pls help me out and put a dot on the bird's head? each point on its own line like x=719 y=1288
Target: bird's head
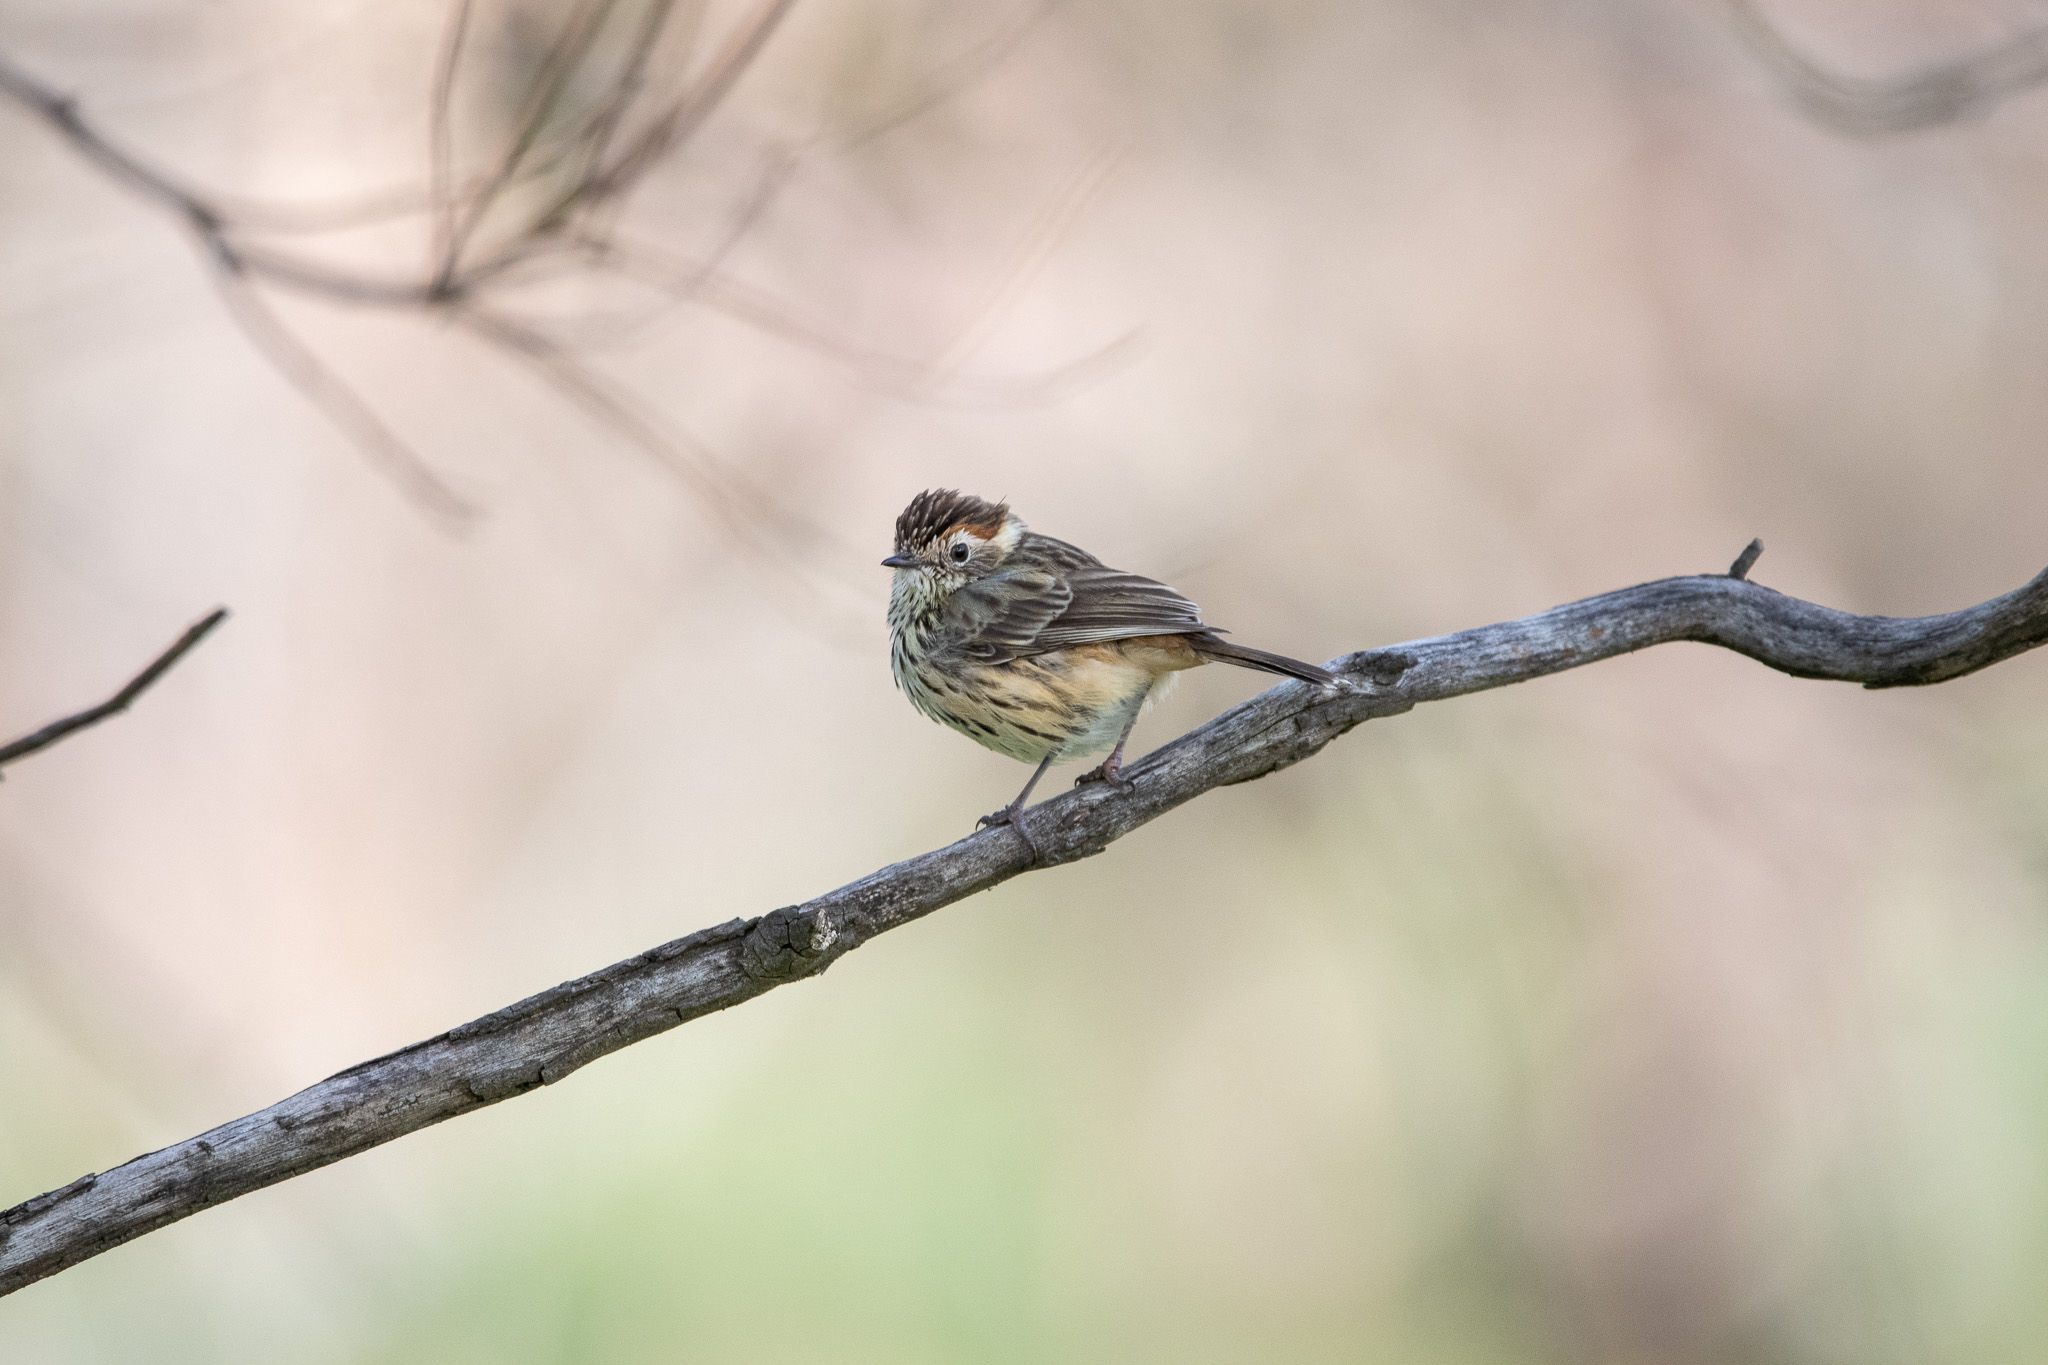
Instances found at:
x=946 y=539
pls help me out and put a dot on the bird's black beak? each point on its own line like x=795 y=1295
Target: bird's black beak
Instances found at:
x=900 y=562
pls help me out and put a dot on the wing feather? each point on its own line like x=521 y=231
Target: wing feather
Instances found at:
x=1050 y=595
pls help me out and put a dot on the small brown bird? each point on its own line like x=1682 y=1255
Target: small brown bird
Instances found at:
x=1034 y=647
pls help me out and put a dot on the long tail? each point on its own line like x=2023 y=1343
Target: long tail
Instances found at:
x=1244 y=656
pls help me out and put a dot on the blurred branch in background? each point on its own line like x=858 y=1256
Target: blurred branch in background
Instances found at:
x=1944 y=92
x=120 y=701
x=542 y=1039
x=604 y=106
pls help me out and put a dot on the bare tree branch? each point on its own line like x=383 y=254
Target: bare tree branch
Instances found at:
x=590 y=128
x=543 y=1039
x=703 y=282
x=953 y=76
x=1941 y=93
x=1746 y=561
x=234 y=263
x=564 y=58
x=451 y=285
x=744 y=510
x=348 y=410
x=683 y=117
x=121 y=700
x=441 y=250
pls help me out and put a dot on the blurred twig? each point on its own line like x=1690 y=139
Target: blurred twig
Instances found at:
x=234 y=263
x=542 y=1039
x=593 y=124
x=120 y=701
x=1940 y=93
x=705 y=283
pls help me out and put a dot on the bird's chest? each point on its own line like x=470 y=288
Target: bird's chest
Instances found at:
x=912 y=627
x=910 y=633
x=1067 y=703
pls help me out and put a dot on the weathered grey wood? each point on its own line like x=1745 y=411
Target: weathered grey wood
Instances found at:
x=540 y=1040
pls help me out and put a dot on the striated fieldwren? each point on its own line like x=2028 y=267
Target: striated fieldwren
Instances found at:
x=1034 y=647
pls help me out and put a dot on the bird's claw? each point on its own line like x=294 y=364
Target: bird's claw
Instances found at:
x=1014 y=818
x=1105 y=773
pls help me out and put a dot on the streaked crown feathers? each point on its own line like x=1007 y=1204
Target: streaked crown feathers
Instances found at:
x=937 y=513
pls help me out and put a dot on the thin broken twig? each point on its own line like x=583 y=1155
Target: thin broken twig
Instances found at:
x=113 y=706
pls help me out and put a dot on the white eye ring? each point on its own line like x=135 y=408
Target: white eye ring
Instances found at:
x=960 y=552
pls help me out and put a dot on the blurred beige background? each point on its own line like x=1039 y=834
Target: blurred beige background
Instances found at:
x=1667 y=1011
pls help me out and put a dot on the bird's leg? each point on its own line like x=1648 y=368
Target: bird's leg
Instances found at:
x=1013 y=814
x=1111 y=769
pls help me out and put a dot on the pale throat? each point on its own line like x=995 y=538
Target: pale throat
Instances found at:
x=914 y=601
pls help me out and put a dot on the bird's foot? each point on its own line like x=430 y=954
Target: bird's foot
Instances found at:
x=1013 y=816
x=1110 y=770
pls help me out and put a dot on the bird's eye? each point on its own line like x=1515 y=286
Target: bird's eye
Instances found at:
x=960 y=552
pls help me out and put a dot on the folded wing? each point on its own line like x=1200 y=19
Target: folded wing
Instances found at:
x=1053 y=595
